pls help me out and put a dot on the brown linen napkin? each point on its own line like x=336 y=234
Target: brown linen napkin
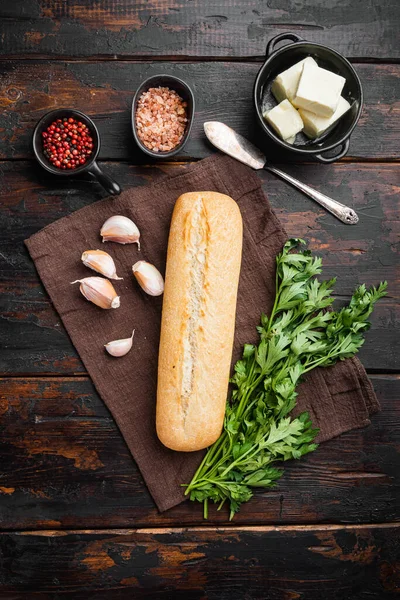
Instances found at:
x=338 y=398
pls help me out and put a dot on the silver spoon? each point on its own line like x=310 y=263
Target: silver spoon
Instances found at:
x=226 y=139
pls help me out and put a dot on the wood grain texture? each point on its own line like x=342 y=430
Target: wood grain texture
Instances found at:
x=65 y=465
x=33 y=338
x=266 y=563
x=63 y=462
x=200 y=28
x=223 y=92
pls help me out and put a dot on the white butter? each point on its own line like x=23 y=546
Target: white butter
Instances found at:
x=291 y=140
x=314 y=125
x=318 y=90
x=285 y=120
x=285 y=84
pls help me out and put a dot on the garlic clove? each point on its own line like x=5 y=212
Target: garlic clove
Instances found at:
x=101 y=262
x=149 y=278
x=99 y=291
x=119 y=347
x=120 y=229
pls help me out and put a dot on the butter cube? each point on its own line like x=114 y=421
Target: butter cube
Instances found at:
x=318 y=90
x=291 y=140
x=285 y=120
x=314 y=125
x=285 y=84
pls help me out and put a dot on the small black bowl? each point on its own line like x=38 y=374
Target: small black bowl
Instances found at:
x=179 y=86
x=336 y=139
x=90 y=166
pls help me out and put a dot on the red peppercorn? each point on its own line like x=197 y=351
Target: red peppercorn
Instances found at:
x=67 y=143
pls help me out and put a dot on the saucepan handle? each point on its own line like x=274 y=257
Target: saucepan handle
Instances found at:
x=111 y=186
x=342 y=151
x=271 y=46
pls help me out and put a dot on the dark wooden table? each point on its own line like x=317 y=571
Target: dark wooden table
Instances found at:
x=76 y=519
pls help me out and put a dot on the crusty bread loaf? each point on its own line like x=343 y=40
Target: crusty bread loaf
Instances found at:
x=198 y=319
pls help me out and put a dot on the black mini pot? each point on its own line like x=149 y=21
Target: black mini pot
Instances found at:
x=90 y=166
x=336 y=141
x=185 y=92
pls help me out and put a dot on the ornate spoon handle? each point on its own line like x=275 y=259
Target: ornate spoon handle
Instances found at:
x=344 y=213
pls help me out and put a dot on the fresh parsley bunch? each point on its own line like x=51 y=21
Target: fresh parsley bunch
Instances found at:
x=299 y=335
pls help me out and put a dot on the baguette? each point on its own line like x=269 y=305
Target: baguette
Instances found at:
x=198 y=319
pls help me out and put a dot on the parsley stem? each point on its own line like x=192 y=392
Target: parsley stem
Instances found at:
x=276 y=301
x=246 y=395
x=232 y=439
x=203 y=463
x=220 y=505
x=205 y=508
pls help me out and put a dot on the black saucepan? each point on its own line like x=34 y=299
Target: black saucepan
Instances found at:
x=90 y=166
x=335 y=143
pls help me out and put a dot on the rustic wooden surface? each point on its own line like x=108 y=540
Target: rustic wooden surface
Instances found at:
x=194 y=28
x=223 y=92
x=281 y=563
x=76 y=520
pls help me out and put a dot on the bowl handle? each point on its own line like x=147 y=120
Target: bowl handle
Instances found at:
x=279 y=38
x=343 y=149
x=111 y=186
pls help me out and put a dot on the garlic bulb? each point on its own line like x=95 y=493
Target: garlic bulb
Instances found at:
x=99 y=291
x=121 y=230
x=119 y=347
x=149 y=278
x=101 y=262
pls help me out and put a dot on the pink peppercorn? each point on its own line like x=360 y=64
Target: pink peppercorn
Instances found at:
x=67 y=143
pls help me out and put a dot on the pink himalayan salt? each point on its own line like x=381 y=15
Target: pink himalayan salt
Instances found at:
x=161 y=119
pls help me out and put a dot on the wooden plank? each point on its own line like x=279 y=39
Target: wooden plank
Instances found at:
x=268 y=563
x=65 y=465
x=33 y=338
x=223 y=92
x=197 y=28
